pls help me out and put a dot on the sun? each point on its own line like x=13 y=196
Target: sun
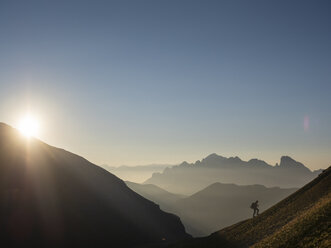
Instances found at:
x=29 y=126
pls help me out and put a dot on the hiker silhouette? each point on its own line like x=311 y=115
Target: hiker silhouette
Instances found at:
x=255 y=207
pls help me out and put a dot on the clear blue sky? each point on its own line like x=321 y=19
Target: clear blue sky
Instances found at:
x=138 y=82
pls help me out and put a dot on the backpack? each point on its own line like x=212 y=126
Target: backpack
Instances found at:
x=253 y=205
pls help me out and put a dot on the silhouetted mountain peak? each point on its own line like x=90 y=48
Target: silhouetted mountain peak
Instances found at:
x=235 y=159
x=287 y=161
x=184 y=164
x=212 y=158
x=258 y=162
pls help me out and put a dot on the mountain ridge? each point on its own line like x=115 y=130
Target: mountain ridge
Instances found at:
x=52 y=197
x=139 y=173
x=214 y=168
x=285 y=161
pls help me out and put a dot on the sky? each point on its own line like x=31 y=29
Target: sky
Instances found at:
x=141 y=82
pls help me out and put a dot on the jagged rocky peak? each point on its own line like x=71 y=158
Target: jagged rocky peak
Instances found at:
x=235 y=159
x=288 y=162
x=258 y=162
x=184 y=164
x=213 y=157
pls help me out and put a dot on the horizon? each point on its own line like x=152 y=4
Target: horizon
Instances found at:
x=139 y=83
x=166 y=165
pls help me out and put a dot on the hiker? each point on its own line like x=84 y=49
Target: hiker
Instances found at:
x=255 y=207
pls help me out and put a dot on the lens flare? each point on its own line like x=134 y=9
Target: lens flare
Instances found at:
x=29 y=126
x=306 y=122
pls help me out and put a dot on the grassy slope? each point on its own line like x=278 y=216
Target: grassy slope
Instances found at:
x=300 y=220
x=312 y=228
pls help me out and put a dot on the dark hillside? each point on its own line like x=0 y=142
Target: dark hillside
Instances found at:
x=53 y=198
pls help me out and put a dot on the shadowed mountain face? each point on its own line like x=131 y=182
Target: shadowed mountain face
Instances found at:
x=189 y=178
x=219 y=205
x=301 y=220
x=53 y=198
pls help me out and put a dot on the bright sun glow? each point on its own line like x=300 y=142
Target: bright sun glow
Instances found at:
x=29 y=126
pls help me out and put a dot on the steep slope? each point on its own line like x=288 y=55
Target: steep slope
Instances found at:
x=52 y=198
x=155 y=194
x=189 y=178
x=301 y=220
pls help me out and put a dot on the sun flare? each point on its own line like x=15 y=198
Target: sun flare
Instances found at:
x=29 y=126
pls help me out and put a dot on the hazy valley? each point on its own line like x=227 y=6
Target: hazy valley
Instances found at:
x=219 y=205
x=300 y=220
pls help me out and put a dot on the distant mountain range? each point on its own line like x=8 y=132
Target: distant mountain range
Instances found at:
x=52 y=198
x=139 y=173
x=219 y=205
x=189 y=178
x=301 y=220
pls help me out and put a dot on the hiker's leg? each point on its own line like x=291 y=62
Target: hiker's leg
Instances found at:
x=257 y=211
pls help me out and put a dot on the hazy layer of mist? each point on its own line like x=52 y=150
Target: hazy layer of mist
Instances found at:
x=137 y=174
